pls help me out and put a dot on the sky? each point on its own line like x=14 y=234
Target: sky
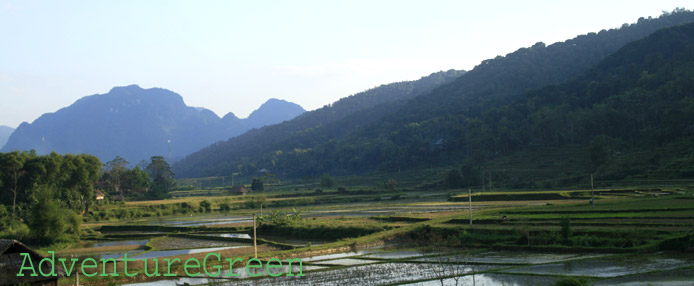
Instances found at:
x=231 y=56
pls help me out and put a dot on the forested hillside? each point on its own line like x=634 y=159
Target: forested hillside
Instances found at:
x=308 y=130
x=634 y=100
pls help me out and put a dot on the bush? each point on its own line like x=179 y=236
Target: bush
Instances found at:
x=48 y=222
x=326 y=181
x=15 y=229
x=225 y=207
x=205 y=206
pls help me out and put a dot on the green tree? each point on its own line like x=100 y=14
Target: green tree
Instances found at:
x=453 y=179
x=47 y=221
x=326 y=181
x=162 y=177
x=115 y=169
x=136 y=180
x=205 y=206
x=257 y=185
x=470 y=175
x=12 y=164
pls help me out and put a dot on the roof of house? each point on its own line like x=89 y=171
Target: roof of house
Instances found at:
x=238 y=189
x=11 y=262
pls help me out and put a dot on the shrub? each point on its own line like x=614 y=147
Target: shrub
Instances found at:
x=205 y=206
x=326 y=181
x=224 y=207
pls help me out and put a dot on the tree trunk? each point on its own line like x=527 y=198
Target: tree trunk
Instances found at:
x=14 y=199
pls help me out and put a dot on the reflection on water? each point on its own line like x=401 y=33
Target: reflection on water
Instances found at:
x=677 y=277
x=375 y=267
x=610 y=266
x=492 y=280
x=374 y=274
x=334 y=256
x=223 y=279
x=202 y=221
x=347 y=261
x=395 y=254
x=231 y=235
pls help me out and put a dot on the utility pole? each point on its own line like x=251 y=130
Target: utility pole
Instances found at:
x=77 y=275
x=255 y=242
x=469 y=199
x=483 y=181
x=592 y=192
x=490 y=181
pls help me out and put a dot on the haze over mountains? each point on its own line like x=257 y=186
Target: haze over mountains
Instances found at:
x=137 y=123
x=504 y=106
x=5 y=132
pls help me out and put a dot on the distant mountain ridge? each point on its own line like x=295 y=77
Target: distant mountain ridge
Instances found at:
x=5 y=132
x=137 y=123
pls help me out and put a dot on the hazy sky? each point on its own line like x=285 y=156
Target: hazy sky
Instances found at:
x=231 y=56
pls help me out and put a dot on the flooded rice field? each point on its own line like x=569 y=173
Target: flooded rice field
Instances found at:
x=612 y=266
x=409 y=267
x=230 y=235
x=513 y=258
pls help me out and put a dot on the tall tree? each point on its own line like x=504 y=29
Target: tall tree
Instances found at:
x=161 y=175
x=12 y=164
x=116 y=168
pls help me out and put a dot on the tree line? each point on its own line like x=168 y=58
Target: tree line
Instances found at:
x=43 y=197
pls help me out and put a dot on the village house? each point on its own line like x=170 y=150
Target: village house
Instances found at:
x=237 y=190
x=11 y=262
x=99 y=195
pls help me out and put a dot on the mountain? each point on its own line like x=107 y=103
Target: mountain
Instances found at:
x=137 y=123
x=309 y=129
x=478 y=117
x=5 y=132
x=273 y=111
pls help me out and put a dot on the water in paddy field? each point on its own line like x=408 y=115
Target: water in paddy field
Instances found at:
x=231 y=235
x=612 y=266
x=408 y=267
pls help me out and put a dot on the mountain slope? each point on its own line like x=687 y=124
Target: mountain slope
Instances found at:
x=309 y=129
x=439 y=127
x=630 y=116
x=135 y=123
x=5 y=132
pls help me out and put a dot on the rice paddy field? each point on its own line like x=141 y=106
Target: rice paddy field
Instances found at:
x=629 y=236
